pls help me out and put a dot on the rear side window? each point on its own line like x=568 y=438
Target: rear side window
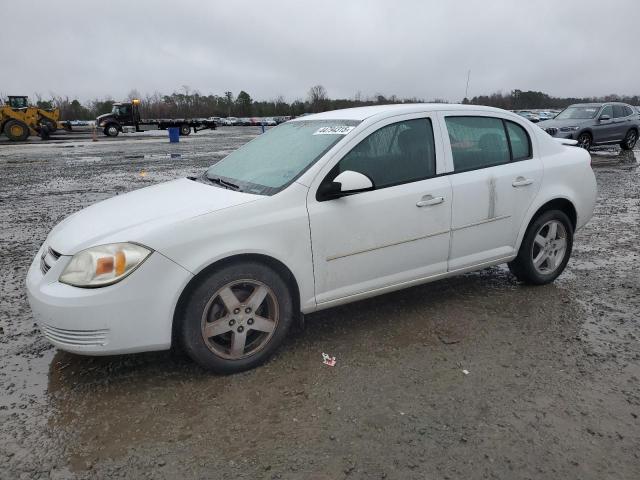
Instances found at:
x=477 y=142
x=399 y=153
x=519 y=141
x=628 y=111
x=618 y=111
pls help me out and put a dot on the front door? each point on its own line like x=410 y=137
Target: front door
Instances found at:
x=397 y=232
x=604 y=130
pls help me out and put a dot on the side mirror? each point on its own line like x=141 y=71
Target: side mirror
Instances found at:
x=346 y=183
x=604 y=117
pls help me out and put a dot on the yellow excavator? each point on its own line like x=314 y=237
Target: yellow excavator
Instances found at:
x=19 y=120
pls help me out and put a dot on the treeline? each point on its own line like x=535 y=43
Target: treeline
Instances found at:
x=519 y=100
x=189 y=103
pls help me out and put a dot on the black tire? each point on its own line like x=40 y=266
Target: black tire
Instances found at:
x=185 y=130
x=16 y=130
x=204 y=299
x=523 y=266
x=51 y=126
x=111 y=130
x=630 y=140
x=44 y=132
x=585 y=140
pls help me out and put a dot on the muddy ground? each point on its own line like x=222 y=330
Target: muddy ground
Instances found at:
x=553 y=389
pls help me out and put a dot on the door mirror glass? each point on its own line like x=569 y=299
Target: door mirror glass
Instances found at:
x=604 y=117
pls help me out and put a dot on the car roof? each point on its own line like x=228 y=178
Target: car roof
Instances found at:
x=362 y=113
x=596 y=104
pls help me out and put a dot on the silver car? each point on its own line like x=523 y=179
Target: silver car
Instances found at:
x=596 y=124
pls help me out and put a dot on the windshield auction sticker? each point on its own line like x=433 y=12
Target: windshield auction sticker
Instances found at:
x=337 y=130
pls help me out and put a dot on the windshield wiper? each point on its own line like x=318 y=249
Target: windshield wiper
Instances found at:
x=223 y=183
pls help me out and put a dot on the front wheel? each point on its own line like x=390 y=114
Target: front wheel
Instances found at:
x=185 y=130
x=111 y=130
x=630 y=140
x=545 y=249
x=236 y=318
x=585 y=141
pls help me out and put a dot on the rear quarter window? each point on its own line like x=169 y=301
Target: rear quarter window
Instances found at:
x=519 y=141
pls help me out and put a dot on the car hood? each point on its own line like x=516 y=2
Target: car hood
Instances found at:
x=562 y=123
x=130 y=216
x=102 y=117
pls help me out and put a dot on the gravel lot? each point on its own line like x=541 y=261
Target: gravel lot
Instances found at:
x=553 y=390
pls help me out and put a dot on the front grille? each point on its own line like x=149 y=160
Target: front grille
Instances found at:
x=76 y=338
x=47 y=259
x=552 y=131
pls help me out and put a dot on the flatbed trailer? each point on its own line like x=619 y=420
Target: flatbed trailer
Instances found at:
x=127 y=114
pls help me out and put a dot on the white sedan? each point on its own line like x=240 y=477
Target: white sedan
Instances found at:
x=317 y=212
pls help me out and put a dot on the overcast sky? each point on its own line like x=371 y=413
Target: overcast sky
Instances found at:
x=90 y=49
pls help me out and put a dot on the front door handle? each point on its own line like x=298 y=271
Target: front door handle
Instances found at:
x=429 y=200
x=522 y=182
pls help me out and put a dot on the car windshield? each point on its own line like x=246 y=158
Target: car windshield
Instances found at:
x=276 y=158
x=579 y=113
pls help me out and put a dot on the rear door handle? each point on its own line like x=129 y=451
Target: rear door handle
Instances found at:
x=522 y=182
x=429 y=200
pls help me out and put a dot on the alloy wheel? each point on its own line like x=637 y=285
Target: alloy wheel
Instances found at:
x=584 y=141
x=549 y=247
x=632 y=137
x=240 y=319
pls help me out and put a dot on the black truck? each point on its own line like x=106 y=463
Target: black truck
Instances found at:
x=127 y=114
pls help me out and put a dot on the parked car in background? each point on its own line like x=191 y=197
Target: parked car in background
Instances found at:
x=216 y=120
x=546 y=115
x=529 y=115
x=596 y=124
x=244 y=121
x=269 y=122
x=209 y=261
x=282 y=119
x=229 y=121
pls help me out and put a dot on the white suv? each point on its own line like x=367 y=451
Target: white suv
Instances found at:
x=319 y=211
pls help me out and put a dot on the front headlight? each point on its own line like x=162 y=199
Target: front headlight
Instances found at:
x=569 y=129
x=103 y=265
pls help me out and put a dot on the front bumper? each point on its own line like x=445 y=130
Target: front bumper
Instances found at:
x=558 y=133
x=133 y=315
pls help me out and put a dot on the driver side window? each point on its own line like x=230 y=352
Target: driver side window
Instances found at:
x=399 y=153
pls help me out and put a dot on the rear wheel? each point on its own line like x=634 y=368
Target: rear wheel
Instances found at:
x=185 y=130
x=111 y=130
x=16 y=130
x=630 y=140
x=236 y=318
x=585 y=141
x=545 y=249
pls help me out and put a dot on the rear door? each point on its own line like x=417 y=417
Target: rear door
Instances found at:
x=622 y=119
x=496 y=175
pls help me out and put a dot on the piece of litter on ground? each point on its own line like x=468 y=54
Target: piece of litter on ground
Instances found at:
x=448 y=340
x=466 y=372
x=328 y=360
x=143 y=173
